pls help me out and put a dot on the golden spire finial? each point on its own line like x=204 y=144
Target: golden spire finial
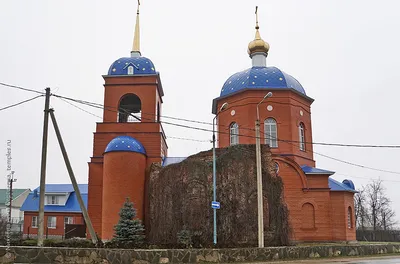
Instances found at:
x=136 y=38
x=257 y=27
x=258 y=45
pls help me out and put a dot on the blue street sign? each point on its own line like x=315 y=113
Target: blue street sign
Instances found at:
x=215 y=205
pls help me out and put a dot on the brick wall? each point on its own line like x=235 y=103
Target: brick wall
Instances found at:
x=124 y=176
x=58 y=230
x=286 y=111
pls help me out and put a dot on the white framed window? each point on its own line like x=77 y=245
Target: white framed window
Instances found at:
x=302 y=144
x=53 y=199
x=271 y=132
x=234 y=133
x=349 y=218
x=34 y=223
x=130 y=70
x=51 y=221
x=68 y=220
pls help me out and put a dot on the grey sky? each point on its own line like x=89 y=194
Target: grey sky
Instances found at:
x=344 y=53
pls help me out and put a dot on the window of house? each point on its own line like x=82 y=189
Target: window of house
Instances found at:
x=51 y=221
x=130 y=70
x=68 y=220
x=52 y=199
x=302 y=144
x=234 y=133
x=34 y=222
x=271 y=132
x=349 y=218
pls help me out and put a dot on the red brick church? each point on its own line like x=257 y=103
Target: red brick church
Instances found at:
x=131 y=138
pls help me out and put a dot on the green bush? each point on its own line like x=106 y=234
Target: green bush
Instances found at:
x=78 y=242
x=185 y=238
x=29 y=243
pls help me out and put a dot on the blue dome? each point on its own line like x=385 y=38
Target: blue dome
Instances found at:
x=125 y=143
x=261 y=77
x=141 y=65
x=349 y=183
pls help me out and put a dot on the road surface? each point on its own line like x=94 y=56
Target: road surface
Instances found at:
x=372 y=260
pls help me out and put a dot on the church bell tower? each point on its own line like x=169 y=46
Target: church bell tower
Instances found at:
x=128 y=140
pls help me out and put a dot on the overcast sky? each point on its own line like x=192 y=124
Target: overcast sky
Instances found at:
x=344 y=53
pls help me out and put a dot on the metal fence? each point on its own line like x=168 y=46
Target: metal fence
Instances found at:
x=378 y=235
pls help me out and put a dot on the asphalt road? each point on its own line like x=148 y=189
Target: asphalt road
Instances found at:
x=378 y=260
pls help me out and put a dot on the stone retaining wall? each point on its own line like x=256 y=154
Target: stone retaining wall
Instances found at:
x=119 y=256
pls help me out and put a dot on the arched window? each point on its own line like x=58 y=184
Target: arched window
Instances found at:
x=302 y=144
x=130 y=70
x=308 y=218
x=234 y=133
x=271 y=132
x=130 y=109
x=349 y=218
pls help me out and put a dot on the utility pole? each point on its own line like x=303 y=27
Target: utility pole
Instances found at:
x=260 y=207
x=214 y=204
x=11 y=180
x=10 y=177
x=259 y=188
x=73 y=180
x=43 y=169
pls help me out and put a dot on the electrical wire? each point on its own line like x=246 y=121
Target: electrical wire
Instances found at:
x=208 y=130
x=223 y=132
x=20 y=103
x=168 y=137
x=245 y=128
x=21 y=88
x=208 y=123
x=90 y=113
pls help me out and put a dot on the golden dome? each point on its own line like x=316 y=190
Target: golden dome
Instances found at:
x=258 y=44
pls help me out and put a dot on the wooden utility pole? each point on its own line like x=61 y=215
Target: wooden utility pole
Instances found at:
x=43 y=169
x=73 y=180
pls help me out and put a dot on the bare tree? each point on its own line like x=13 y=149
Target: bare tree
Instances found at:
x=360 y=208
x=379 y=214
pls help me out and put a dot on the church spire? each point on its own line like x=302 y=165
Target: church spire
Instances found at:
x=136 y=39
x=258 y=48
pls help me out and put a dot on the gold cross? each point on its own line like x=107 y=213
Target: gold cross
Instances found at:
x=257 y=17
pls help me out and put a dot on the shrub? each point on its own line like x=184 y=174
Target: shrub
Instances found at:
x=29 y=243
x=78 y=242
x=185 y=237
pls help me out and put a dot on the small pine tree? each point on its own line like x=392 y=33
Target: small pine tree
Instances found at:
x=129 y=229
x=185 y=237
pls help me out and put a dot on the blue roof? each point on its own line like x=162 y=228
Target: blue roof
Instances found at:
x=63 y=188
x=141 y=66
x=172 y=160
x=31 y=203
x=311 y=170
x=125 y=143
x=260 y=77
x=339 y=187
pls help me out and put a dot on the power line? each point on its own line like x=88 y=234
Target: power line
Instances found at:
x=21 y=88
x=190 y=139
x=208 y=130
x=223 y=132
x=20 y=103
x=208 y=123
x=245 y=128
x=90 y=113
x=169 y=137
